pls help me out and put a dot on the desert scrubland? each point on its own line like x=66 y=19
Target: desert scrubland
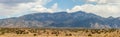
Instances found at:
x=53 y=32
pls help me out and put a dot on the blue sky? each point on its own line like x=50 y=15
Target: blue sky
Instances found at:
x=65 y=4
x=16 y=8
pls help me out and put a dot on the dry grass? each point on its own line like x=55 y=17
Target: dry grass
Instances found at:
x=47 y=32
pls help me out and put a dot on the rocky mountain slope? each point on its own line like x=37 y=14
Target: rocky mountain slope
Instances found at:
x=61 y=19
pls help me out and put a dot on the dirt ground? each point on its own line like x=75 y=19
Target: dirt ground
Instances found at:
x=27 y=32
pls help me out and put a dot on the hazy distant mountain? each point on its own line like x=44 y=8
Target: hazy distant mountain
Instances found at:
x=61 y=19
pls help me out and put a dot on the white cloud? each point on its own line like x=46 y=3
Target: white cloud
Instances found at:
x=92 y=0
x=40 y=8
x=54 y=7
x=104 y=1
x=7 y=10
x=102 y=10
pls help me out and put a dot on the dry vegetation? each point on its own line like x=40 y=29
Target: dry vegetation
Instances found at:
x=47 y=32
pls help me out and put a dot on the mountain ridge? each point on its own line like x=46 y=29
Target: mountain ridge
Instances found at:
x=61 y=19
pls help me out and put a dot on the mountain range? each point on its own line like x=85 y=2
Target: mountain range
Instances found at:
x=61 y=19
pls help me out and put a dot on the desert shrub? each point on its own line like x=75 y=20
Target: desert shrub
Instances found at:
x=2 y=33
x=33 y=30
x=89 y=34
x=55 y=32
x=44 y=31
x=21 y=32
x=112 y=30
x=34 y=34
x=86 y=31
x=68 y=34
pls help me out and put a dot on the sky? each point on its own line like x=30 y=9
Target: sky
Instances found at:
x=16 y=8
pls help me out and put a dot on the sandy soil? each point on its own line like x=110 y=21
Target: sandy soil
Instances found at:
x=14 y=32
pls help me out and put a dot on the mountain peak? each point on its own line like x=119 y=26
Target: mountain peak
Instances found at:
x=110 y=17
